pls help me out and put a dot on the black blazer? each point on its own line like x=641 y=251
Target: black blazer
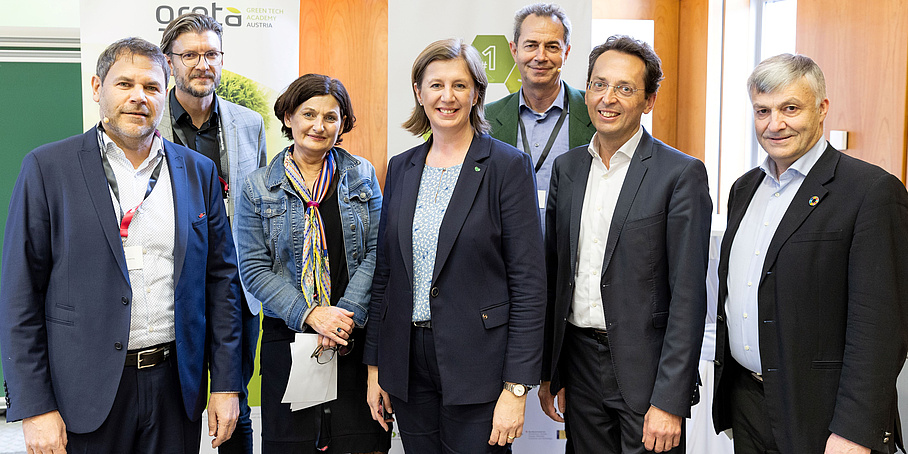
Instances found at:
x=488 y=287
x=653 y=274
x=832 y=307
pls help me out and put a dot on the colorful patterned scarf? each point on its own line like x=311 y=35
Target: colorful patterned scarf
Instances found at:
x=316 y=277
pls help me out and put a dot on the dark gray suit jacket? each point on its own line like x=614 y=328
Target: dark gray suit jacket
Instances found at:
x=653 y=274
x=832 y=307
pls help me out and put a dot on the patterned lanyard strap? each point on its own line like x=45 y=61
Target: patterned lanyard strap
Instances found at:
x=316 y=277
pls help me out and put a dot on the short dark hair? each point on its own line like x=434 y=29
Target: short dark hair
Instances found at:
x=130 y=47
x=652 y=73
x=189 y=22
x=449 y=49
x=310 y=86
x=542 y=10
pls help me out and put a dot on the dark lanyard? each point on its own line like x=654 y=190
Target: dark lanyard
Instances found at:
x=178 y=132
x=552 y=137
x=126 y=219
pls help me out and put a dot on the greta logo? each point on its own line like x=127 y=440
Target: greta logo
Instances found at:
x=165 y=14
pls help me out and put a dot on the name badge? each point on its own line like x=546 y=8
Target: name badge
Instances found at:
x=134 y=258
x=540 y=196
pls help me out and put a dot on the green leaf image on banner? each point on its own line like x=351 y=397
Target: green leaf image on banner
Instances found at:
x=233 y=10
x=497 y=60
x=245 y=92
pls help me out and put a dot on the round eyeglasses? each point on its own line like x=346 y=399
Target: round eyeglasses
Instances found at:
x=325 y=355
x=191 y=59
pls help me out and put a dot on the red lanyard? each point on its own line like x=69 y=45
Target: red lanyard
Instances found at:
x=126 y=219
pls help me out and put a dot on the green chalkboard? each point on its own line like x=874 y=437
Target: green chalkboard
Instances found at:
x=39 y=103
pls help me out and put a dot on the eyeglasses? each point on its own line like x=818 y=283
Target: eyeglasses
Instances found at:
x=622 y=90
x=191 y=59
x=325 y=355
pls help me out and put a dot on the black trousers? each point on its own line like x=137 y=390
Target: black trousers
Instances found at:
x=147 y=417
x=426 y=425
x=750 y=422
x=597 y=419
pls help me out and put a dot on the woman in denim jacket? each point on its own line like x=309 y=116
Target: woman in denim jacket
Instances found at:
x=308 y=224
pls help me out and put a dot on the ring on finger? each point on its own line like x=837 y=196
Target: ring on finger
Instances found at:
x=339 y=330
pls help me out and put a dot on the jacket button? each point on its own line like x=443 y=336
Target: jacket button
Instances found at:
x=720 y=318
x=434 y=292
x=885 y=439
x=118 y=346
x=485 y=316
x=718 y=363
x=125 y=300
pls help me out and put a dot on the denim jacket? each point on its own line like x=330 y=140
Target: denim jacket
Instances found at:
x=269 y=219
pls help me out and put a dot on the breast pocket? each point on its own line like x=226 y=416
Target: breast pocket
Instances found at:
x=272 y=214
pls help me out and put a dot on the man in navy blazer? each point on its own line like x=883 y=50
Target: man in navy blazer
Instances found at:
x=811 y=333
x=626 y=237
x=110 y=318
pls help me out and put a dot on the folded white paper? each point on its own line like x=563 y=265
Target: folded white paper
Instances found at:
x=310 y=383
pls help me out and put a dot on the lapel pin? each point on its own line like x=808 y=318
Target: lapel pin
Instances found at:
x=476 y=168
x=201 y=215
x=813 y=201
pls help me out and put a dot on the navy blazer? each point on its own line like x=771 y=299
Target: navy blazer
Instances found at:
x=832 y=307
x=65 y=294
x=653 y=273
x=488 y=286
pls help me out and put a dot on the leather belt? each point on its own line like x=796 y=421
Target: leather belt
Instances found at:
x=427 y=324
x=599 y=335
x=148 y=357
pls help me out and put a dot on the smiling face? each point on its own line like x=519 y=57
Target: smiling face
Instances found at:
x=447 y=93
x=540 y=51
x=788 y=122
x=616 y=118
x=316 y=125
x=130 y=97
x=202 y=79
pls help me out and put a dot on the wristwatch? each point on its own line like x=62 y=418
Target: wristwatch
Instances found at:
x=517 y=389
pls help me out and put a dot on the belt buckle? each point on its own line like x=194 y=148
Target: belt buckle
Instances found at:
x=139 y=355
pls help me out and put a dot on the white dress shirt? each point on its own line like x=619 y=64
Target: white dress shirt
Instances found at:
x=748 y=249
x=152 y=229
x=602 y=188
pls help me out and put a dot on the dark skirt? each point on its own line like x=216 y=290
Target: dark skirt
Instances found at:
x=344 y=424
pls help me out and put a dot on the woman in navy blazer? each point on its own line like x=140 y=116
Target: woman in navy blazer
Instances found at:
x=458 y=296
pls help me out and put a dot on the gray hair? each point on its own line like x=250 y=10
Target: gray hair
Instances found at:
x=130 y=47
x=778 y=72
x=542 y=10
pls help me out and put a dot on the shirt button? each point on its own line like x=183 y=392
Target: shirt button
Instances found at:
x=745 y=315
x=151 y=329
x=747 y=348
x=776 y=194
x=595 y=305
x=147 y=289
x=594 y=272
x=536 y=144
x=598 y=208
x=749 y=284
x=756 y=252
x=595 y=240
x=766 y=224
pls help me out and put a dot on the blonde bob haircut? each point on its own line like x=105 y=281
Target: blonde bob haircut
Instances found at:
x=449 y=49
